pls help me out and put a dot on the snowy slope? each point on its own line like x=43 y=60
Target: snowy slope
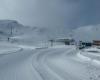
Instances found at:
x=26 y=34
x=87 y=33
x=20 y=33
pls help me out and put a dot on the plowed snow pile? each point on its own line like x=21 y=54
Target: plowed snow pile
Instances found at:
x=7 y=48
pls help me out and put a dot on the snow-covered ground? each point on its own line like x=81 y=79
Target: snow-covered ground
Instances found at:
x=26 y=54
x=7 y=48
x=53 y=63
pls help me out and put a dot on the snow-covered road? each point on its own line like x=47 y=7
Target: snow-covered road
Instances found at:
x=56 y=63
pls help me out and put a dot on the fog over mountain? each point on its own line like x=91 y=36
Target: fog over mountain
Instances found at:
x=54 y=18
x=12 y=28
x=22 y=33
x=87 y=33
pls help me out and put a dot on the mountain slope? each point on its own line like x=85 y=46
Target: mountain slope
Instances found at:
x=26 y=34
x=87 y=33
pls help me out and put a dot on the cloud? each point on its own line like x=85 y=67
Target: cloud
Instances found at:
x=38 y=12
x=66 y=14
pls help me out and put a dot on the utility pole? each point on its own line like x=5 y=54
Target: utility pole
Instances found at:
x=11 y=31
x=71 y=34
x=51 y=41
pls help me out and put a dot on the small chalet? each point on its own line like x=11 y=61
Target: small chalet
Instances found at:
x=84 y=44
x=66 y=41
x=96 y=42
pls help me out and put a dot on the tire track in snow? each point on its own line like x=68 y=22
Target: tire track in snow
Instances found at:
x=63 y=74
x=45 y=72
x=22 y=59
x=44 y=68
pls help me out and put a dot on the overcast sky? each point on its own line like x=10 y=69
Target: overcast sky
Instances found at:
x=50 y=13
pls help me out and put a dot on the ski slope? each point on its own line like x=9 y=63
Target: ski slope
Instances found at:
x=53 y=63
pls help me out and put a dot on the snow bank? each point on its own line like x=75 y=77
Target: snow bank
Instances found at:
x=7 y=48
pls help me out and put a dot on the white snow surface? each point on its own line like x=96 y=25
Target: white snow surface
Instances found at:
x=53 y=63
x=29 y=56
